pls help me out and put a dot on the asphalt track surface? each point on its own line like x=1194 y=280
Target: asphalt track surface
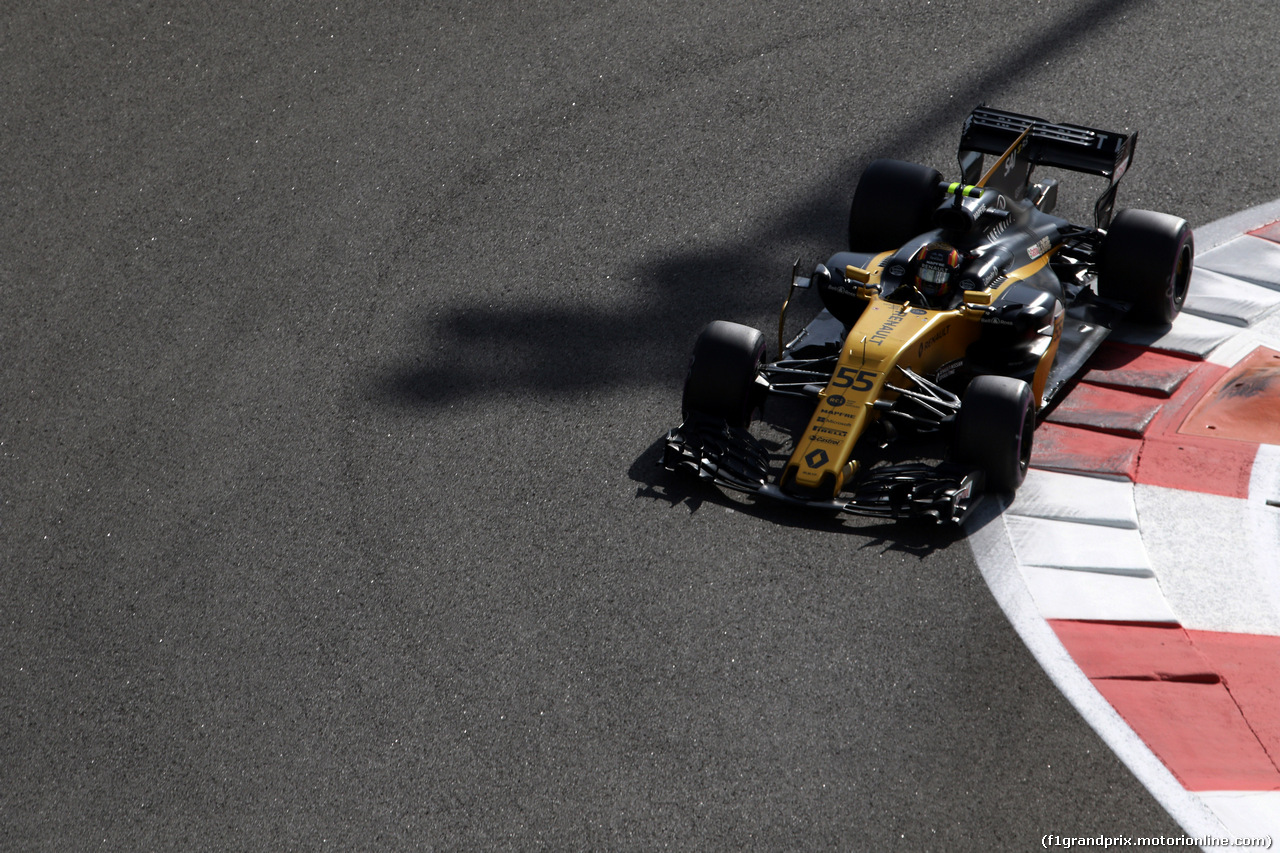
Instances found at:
x=338 y=344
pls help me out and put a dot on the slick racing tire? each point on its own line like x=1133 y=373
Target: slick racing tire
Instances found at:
x=893 y=203
x=1146 y=261
x=994 y=429
x=722 y=373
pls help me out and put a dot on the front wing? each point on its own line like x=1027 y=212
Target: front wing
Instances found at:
x=735 y=459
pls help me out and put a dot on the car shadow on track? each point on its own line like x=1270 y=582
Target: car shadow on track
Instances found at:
x=560 y=352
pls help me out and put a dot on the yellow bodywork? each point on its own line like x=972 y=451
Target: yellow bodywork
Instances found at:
x=887 y=336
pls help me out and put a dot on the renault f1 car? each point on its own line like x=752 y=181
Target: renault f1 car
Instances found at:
x=957 y=314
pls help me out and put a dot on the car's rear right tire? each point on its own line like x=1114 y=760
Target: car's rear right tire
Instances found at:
x=894 y=202
x=994 y=430
x=721 y=382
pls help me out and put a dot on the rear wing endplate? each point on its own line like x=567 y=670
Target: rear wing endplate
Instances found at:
x=1064 y=146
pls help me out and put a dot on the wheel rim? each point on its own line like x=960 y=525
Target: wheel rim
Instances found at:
x=1024 y=443
x=1181 y=278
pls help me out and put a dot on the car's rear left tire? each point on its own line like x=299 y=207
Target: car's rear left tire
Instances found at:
x=894 y=202
x=994 y=429
x=721 y=382
x=1146 y=260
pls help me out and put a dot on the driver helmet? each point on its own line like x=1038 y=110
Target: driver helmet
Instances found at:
x=935 y=264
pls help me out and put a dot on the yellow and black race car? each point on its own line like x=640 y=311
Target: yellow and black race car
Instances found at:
x=960 y=310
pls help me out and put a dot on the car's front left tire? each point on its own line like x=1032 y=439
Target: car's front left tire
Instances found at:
x=994 y=429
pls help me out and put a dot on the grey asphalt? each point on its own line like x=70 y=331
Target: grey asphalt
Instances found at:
x=338 y=342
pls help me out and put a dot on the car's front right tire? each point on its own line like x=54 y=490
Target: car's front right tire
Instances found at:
x=721 y=381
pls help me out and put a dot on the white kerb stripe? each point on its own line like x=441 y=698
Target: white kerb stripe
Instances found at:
x=1081 y=547
x=1073 y=497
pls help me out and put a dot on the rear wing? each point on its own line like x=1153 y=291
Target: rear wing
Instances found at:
x=1043 y=143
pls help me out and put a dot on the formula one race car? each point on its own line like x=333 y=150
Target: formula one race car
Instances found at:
x=959 y=312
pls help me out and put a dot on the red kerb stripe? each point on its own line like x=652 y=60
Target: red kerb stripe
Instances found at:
x=1205 y=702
